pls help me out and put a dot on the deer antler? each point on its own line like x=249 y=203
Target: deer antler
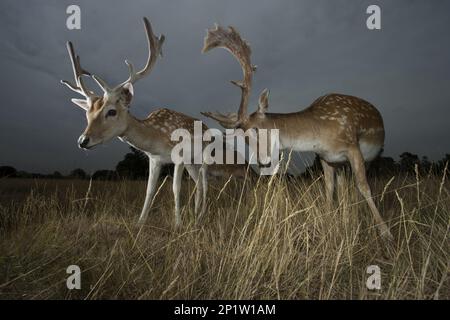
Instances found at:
x=228 y=121
x=78 y=73
x=154 y=50
x=230 y=39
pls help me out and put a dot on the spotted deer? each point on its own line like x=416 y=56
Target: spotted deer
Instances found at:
x=108 y=116
x=337 y=127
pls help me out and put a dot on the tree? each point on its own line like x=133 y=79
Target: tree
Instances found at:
x=441 y=163
x=78 y=174
x=408 y=161
x=382 y=166
x=7 y=172
x=425 y=164
x=56 y=175
x=134 y=165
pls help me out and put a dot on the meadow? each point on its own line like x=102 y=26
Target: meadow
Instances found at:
x=268 y=238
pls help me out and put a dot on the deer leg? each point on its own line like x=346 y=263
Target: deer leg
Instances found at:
x=153 y=176
x=204 y=182
x=328 y=174
x=357 y=163
x=194 y=172
x=340 y=178
x=177 y=177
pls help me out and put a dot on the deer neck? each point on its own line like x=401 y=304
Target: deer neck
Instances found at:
x=142 y=136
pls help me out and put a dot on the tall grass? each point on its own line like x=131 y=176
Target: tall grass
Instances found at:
x=272 y=238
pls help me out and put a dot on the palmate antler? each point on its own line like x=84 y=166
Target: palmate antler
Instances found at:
x=230 y=39
x=154 y=50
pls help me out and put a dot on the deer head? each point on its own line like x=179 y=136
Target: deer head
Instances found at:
x=107 y=115
x=230 y=40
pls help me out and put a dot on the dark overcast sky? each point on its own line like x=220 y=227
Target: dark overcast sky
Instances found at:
x=303 y=49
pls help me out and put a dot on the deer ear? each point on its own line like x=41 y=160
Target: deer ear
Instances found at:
x=127 y=93
x=263 y=101
x=81 y=103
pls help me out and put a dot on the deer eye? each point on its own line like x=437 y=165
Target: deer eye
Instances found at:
x=111 y=113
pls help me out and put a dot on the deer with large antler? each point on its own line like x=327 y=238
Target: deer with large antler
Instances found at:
x=337 y=127
x=108 y=117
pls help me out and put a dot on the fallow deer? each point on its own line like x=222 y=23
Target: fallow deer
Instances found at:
x=108 y=116
x=337 y=127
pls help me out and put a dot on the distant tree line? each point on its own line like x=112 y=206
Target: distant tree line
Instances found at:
x=134 y=166
x=407 y=164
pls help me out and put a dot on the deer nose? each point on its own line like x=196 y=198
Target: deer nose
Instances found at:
x=83 y=141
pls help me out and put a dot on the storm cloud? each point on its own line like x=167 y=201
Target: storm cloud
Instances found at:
x=303 y=49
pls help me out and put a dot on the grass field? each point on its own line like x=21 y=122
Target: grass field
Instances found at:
x=268 y=239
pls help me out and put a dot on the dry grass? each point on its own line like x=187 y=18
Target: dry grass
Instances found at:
x=267 y=239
